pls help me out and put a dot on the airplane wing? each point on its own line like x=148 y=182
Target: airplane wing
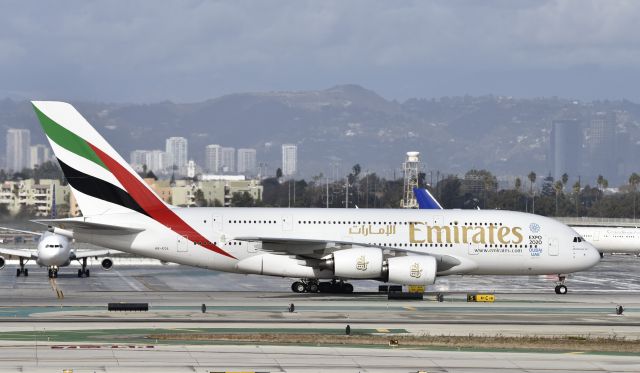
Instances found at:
x=318 y=248
x=89 y=253
x=74 y=224
x=19 y=253
x=21 y=231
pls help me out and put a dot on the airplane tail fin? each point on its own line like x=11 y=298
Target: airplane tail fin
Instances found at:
x=101 y=180
x=426 y=200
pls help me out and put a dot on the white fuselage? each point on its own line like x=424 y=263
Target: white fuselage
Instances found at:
x=484 y=242
x=54 y=250
x=612 y=240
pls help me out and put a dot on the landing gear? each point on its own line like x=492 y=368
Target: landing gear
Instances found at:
x=561 y=288
x=84 y=272
x=53 y=272
x=313 y=286
x=22 y=270
x=298 y=287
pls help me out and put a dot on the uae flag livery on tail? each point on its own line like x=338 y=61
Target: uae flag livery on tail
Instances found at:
x=101 y=180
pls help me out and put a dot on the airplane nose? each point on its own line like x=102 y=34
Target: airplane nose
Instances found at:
x=591 y=256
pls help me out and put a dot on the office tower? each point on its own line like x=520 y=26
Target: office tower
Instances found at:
x=39 y=154
x=18 y=148
x=176 y=148
x=213 y=158
x=289 y=159
x=602 y=150
x=228 y=160
x=246 y=161
x=566 y=148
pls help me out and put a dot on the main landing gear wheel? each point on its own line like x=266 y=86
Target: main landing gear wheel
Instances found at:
x=22 y=270
x=313 y=286
x=298 y=287
x=83 y=272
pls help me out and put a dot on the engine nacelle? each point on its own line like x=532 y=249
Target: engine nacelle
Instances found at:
x=1 y=262
x=412 y=270
x=106 y=263
x=358 y=262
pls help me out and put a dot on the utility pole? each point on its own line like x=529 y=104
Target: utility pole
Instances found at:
x=346 y=205
x=327 y=192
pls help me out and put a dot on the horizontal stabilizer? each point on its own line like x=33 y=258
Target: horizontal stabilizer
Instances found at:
x=21 y=231
x=76 y=225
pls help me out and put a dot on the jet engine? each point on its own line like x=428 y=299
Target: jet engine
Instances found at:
x=1 y=262
x=106 y=263
x=411 y=270
x=358 y=262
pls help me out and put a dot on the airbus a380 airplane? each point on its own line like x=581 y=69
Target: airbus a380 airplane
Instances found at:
x=400 y=246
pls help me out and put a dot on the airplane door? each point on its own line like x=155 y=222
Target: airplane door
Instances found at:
x=473 y=249
x=596 y=236
x=287 y=223
x=182 y=245
x=553 y=247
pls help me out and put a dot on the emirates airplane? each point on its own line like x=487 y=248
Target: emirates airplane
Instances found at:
x=321 y=247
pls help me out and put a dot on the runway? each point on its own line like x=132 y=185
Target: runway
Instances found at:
x=65 y=324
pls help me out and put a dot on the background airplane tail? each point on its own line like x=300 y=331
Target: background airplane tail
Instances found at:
x=426 y=200
x=101 y=180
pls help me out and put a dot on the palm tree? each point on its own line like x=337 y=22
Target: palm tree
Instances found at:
x=599 y=181
x=634 y=180
x=518 y=184
x=576 y=192
x=565 y=180
x=558 y=188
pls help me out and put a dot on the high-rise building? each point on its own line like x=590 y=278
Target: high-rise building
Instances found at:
x=602 y=150
x=39 y=154
x=176 y=148
x=18 y=148
x=228 y=160
x=213 y=158
x=289 y=159
x=246 y=161
x=566 y=148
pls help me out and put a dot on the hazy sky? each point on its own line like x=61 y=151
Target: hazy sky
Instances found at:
x=184 y=51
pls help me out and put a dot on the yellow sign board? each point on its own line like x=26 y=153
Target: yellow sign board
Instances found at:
x=416 y=288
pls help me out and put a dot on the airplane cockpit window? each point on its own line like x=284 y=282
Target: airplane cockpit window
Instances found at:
x=578 y=239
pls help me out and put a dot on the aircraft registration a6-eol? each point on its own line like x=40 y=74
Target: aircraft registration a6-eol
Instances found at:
x=322 y=247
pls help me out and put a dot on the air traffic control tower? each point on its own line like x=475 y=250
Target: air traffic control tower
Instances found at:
x=410 y=168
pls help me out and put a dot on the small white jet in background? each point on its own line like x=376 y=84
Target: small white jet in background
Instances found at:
x=54 y=251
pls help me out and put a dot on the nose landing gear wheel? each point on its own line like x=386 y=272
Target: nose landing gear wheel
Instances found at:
x=561 y=289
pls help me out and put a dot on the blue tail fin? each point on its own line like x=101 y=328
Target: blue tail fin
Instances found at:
x=426 y=200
